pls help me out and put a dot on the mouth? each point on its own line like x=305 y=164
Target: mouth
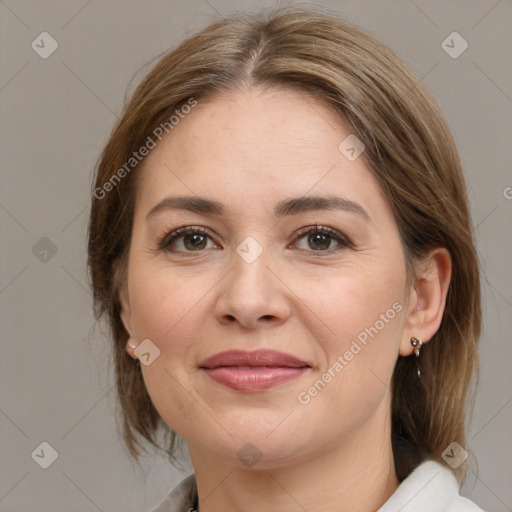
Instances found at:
x=253 y=371
x=256 y=358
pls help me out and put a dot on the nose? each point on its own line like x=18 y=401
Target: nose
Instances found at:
x=253 y=294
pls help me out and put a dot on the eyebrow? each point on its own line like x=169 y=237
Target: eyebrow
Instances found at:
x=284 y=208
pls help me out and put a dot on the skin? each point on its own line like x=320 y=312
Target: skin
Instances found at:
x=249 y=150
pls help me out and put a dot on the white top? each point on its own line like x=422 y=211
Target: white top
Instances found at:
x=431 y=487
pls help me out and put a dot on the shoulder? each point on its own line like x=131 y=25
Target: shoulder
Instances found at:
x=430 y=487
x=182 y=498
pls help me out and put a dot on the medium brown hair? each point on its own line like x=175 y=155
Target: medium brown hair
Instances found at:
x=409 y=149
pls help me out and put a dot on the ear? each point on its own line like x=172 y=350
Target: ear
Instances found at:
x=126 y=311
x=427 y=299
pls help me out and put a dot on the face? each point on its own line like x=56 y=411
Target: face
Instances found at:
x=326 y=285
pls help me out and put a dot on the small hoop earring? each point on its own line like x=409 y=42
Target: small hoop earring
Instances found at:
x=417 y=344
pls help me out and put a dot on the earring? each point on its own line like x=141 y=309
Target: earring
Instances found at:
x=417 y=344
x=136 y=360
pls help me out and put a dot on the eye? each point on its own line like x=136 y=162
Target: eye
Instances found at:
x=321 y=237
x=192 y=238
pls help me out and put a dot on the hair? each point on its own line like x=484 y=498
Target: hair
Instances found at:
x=408 y=147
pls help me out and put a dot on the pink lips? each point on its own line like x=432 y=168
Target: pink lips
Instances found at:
x=253 y=371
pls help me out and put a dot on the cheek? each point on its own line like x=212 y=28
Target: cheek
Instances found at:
x=354 y=302
x=166 y=309
x=361 y=316
x=360 y=347
x=162 y=303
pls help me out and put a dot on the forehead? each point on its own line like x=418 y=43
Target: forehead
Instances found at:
x=257 y=144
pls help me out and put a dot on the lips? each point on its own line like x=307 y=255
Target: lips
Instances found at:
x=253 y=372
x=256 y=358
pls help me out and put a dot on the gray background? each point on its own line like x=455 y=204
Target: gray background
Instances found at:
x=56 y=114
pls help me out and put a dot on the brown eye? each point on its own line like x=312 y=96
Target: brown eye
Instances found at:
x=191 y=238
x=319 y=239
x=194 y=241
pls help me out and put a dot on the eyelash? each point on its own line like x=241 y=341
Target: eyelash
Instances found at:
x=169 y=237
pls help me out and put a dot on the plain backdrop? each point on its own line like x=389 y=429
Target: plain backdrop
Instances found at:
x=56 y=113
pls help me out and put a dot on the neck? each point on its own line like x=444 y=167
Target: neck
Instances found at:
x=355 y=474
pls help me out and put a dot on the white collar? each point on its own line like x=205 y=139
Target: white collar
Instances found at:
x=431 y=487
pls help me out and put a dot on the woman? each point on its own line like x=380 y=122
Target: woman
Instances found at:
x=280 y=234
